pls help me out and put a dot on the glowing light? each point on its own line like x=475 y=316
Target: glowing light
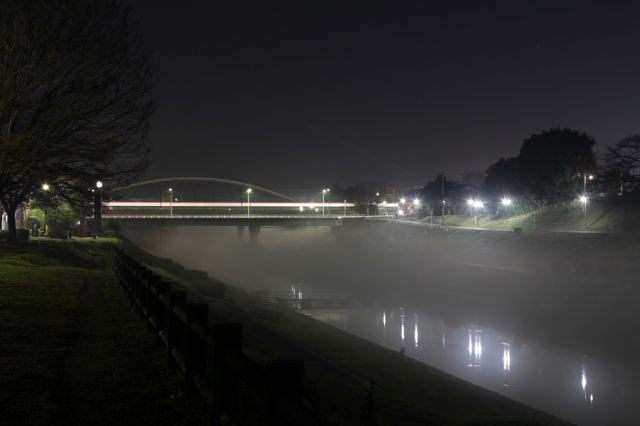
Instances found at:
x=590 y=177
x=99 y=184
x=584 y=378
x=402 y=321
x=416 y=201
x=384 y=319
x=249 y=191
x=506 y=201
x=506 y=357
x=583 y=199
x=402 y=200
x=415 y=334
x=45 y=187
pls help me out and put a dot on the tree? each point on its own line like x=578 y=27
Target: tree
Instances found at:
x=502 y=178
x=76 y=86
x=622 y=162
x=551 y=165
x=433 y=193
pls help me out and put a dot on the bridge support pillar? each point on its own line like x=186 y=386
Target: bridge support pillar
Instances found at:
x=240 y=233
x=253 y=234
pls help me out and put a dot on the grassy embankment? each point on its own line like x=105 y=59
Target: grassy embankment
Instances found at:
x=409 y=392
x=560 y=217
x=51 y=290
x=73 y=351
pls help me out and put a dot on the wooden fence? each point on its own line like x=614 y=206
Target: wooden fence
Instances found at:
x=193 y=346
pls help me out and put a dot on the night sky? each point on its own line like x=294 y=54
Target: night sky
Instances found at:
x=310 y=93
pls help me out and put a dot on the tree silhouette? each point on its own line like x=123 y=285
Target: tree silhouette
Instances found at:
x=76 y=87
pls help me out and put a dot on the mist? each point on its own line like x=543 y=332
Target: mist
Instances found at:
x=539 y=291
x=517 y=283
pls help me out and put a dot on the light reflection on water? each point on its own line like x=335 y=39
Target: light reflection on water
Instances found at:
x=562 y=383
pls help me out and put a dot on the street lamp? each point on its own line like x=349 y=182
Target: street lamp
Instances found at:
x=324 y=191
x=249 y=202
x=416 y=202
x=44 y=225
x=97 y=215
x=506 y=202
x=171 y=203
x=584 y=200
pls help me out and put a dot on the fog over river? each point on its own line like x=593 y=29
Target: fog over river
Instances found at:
x=547 y=319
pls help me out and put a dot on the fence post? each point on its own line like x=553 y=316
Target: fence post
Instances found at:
x=196 y=348
x=175 y=326
x=161 y=311
x=141 y=275
x=147 y=304
x=285 y=380
x=227 y=338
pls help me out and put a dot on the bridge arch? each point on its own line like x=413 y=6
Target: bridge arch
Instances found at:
x=205 y=179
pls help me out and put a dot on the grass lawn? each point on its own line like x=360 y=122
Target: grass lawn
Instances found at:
x=73 y=351
x=558 y=217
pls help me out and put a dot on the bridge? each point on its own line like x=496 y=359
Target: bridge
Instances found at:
x=193 y=201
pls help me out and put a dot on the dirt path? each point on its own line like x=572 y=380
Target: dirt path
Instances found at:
x=89 y=382
x=114 y=374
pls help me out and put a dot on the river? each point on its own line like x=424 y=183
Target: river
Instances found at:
x=468 y=304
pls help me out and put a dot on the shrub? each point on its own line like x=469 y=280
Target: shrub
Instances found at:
x=109 y=233
x=115 y=226
x=80 y=231
x=56 y=232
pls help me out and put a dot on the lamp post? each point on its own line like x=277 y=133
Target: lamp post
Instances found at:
x=171 y=203
x=45 y=187
x=324 y=191
x=584 y=201
x=479 y=205
x=249 y=202
x=506 y=202
x=401 y=212
x=442 y=217
x=416 y=203
x=97 y=215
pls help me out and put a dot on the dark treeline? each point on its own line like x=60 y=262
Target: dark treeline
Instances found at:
x=555 y=166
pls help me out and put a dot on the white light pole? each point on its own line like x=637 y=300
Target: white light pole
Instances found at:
x=97 y=226
x=416 y=203
x=249 y=202
x=402 y=201
x=584 y=201
x=324 y=191
x=171 y=203
x=329 y=192
x=44 y=225
x=506 y=202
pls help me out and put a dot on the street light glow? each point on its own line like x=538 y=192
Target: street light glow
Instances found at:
x=249 y=191
x=583 y=199
x=506 y=201
x=402 y=200
x=45 y=187
x=99 y=184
